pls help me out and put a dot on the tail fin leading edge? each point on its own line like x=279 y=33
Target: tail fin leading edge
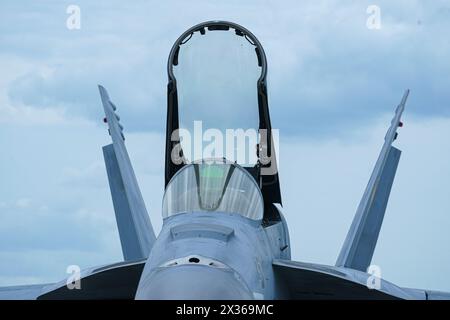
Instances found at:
x=135 y=229
x=359 y=245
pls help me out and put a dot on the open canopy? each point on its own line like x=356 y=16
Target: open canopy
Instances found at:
x=217 y=72
x=217 y=103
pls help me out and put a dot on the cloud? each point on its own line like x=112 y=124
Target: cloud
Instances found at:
x=52 y=201
x=327 y=71
x=333 y=85
x=23 y=203
x=55 y=199
x=348 y=75
x=322 y=182
x=91 y=176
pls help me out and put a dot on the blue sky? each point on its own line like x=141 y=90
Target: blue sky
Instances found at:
x=333 y=86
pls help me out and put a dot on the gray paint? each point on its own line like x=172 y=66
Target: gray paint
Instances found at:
x=129 y=238
x=359 y=245
x=195 y=282
x=247 y=251
x=201 y=230
x=204 y=255
x=114 y=281
x=314 y=281
x=137 y=234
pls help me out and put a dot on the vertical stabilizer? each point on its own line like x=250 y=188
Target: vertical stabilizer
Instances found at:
x=359 y=245
x=135 y=229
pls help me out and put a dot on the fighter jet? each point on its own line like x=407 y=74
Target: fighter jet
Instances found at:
x=224 y=235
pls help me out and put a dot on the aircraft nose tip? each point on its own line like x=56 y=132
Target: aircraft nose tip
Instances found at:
x=192 y=282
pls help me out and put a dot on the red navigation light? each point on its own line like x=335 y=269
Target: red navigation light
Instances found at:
x=400 y=124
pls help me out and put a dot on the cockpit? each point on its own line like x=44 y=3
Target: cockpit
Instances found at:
x=217 y=107
x=213 y=186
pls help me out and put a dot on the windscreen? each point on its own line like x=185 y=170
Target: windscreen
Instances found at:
x=216 y=72
x=213 y=187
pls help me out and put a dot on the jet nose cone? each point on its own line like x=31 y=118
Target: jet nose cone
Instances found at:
x=192 y=282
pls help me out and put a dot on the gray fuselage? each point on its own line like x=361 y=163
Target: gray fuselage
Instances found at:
x=213 y=255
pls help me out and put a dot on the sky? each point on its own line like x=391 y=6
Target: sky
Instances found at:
x=333 y=86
